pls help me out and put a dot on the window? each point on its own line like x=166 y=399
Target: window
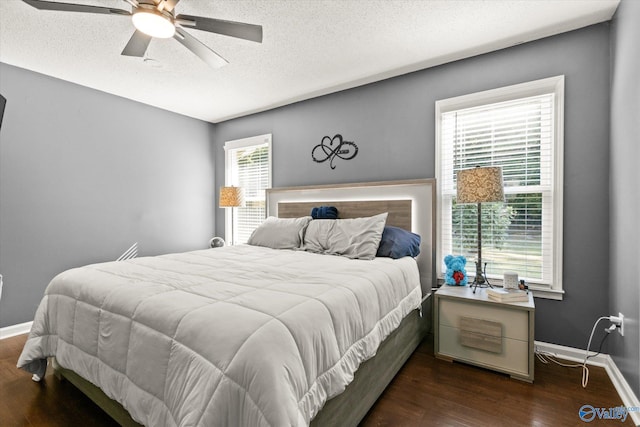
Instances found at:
x=248 y=165
x=519 y=128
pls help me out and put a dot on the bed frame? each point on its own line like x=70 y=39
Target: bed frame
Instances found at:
x=411 y=205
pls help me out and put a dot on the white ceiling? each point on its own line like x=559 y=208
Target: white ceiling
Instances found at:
x=310 y=47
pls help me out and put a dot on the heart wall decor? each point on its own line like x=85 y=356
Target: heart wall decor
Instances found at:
x=330 y=148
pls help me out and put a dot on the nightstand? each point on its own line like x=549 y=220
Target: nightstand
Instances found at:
x=473 y=329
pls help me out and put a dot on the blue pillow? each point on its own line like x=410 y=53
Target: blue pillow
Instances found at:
x=324 y=212
x=397 y=243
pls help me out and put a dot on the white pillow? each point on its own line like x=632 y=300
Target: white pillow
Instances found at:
x=280 y=233
x=352 y=238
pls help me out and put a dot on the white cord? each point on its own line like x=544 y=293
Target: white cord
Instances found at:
x=546 y=357
x=585 y=370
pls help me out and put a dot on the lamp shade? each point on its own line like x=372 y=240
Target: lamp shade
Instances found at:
x=480 y=185
x=231 y=197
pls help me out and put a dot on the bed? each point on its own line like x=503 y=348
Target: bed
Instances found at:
x=187 y=358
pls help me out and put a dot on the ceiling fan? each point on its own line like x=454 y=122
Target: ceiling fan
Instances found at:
x=157 y=18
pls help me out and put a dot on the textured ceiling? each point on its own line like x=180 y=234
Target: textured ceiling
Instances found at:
x=310 y=47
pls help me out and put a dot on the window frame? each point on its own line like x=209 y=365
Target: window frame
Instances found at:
x=229 y=147
x=553 y=85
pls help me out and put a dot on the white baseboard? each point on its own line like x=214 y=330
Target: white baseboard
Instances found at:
x=629 y=399
x=572 y=354
x=12 y=331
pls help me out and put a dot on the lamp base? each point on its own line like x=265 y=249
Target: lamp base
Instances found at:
x=481 y=280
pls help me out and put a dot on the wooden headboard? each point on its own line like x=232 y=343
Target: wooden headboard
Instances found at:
x=399 y=210
x=410 y=204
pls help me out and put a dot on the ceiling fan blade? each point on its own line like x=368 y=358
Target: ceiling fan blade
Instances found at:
x=137 y=45
x=227 y=28
x=70 y=7
x=202 y=51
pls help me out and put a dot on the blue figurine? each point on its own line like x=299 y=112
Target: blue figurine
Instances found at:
x=456 y=275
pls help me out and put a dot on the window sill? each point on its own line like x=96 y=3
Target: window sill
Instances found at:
x=541 y=292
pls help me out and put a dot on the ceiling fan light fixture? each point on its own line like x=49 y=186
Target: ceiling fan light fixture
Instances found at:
x=153 y=23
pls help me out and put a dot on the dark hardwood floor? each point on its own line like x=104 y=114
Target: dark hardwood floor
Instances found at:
x=426 y=392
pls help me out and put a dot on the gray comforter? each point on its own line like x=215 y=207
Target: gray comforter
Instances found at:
x=239 y=335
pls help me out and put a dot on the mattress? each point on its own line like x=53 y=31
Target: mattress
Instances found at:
x=239 y=335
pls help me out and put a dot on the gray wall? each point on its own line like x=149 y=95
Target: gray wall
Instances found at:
x=625 y=184
x=393 y=124
x=84 y=174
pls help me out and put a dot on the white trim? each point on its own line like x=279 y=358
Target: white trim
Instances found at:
x=548 y=293
x=558 y=185
x=553 y=85
x=506 y=93
x=13 y=330
x=235 y=144
x=629 y=399
x=247 y=142
x=570 y=353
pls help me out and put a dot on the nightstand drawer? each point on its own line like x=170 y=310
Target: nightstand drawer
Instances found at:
x=514 y=322
x=513 y=357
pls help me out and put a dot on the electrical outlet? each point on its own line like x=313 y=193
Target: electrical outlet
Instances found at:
x=621 y=326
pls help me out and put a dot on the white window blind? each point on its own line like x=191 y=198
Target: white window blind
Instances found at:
x=249 y=166
x=519 y=134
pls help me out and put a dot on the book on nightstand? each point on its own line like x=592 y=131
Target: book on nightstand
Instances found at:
x=507 y=295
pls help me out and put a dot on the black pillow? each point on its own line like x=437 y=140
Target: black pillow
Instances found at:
x=397 y=243
x=324 y=212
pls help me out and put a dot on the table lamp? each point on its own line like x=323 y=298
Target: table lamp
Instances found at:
x=231 y=197
x=480 y=185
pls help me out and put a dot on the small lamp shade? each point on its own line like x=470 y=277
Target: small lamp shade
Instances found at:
x=480 y=185
x=231 y=197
